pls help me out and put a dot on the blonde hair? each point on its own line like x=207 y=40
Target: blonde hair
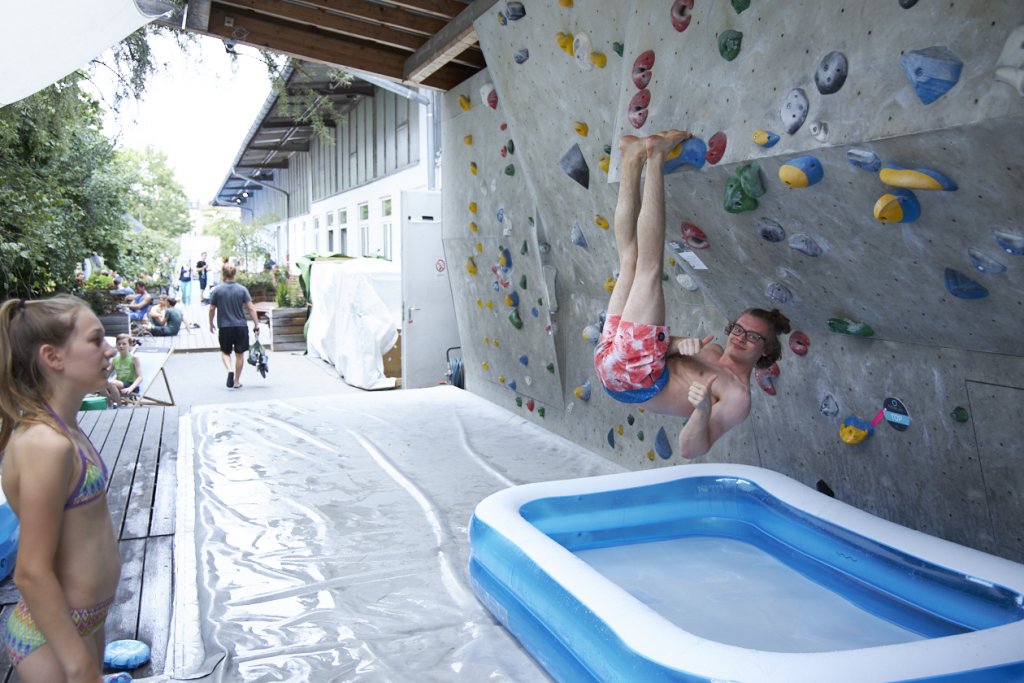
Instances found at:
x=24 y=327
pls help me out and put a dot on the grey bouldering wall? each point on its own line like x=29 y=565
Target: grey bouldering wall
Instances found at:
x=943 y=293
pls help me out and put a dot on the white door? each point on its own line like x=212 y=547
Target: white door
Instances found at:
x=429 y=328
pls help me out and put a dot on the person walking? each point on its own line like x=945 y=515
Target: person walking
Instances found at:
x=201 y=271
x=230 y=302
x=185 y=283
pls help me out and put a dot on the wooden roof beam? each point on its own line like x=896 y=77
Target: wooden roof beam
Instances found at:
x=452 y=40
x=445 y=9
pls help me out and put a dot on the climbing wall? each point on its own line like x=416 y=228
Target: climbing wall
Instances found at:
x=857 y=165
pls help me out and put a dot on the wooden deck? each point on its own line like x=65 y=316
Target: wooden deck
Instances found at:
x=140 y=446
x=201 y=339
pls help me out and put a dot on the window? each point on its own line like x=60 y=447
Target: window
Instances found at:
x=342 y=216
x=343 y=241
x=330 y=218
x=385 y=206
x=364 y=211
x=330 y=241
x=364 y=237
x=385 y=235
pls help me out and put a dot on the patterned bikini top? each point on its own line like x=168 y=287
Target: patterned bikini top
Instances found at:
x=92 y=482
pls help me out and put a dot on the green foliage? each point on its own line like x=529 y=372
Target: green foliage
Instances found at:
x=261 y=281
x=245 y=243
x=305 y=104
x=158 y=200
x=96 y=292
x=287 y=295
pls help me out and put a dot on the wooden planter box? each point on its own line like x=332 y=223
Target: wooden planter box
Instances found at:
x=115 y=324
x=287 y=329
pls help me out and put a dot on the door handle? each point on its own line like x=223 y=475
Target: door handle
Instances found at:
x=411 y=309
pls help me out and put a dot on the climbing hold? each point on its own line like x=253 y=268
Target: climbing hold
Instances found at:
x=851 y=327
x=829 y=407
x=490 y=305
x=471 y=266
x=805 y=244
x=650 y=455
x=799 y=342
x=681 y=14
x=764 y=138
x=963 y=287
x=464 y=103
x=497 y=343
x=770 y=230
x=801 y=172
x=581 y=128
x=591 y=333
x=601 y=221
x=637 y=113
x=512 y=385
x=932 y=71
x=661 y=444
x=565 y=42
x=794 y=110
x=819 y=129
x=519 y=401
x=862 y=158
x=618 y=48
x=779 y=293
x=500 y=214
x=640 y=435
x=514 y=318
x=472 y=167
x=603 y=162
x=530 y=405
x=468 y=139
x=501 y=379
x=984 y=263
x=551 y=368
x=504 y=259
x=540 y=411
x=749 y=175
x=620 y=430
x=598 y=59
x=642 y=69
x=511 y=147
x=611 y=437
x=823 y=487
x=736 y=200
x=1009 y=242
x=119 y=677
x=693 y=236
x=473 y=227
x=895 y=413
x=565 y=3
x=907 y=4
x=534 y=312
x=716 y=148
x=740 y=5
x=523 y=250
x=831 y=73
x=898 y=206
x=729 y=43
x=687 y=282
x=960 y=414
x=854 y=430
x=489 y=95
x=916 y=179
x=1010 y=66
x=472 y=207
x=692 y=152
x=609 y=285
x=581 y=51
x=522 y=281
x=510 y=170
x=479 y=303
x=521 y=56
x=575 y=166
x=630 y=420
x=577 y=236
x=765 y=378
x=502 y=19
x=582 y=392
x=512 y=299
x=515 y=11
x=524 y=360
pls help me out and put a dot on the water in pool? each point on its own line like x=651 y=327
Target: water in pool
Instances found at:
x=734 y=593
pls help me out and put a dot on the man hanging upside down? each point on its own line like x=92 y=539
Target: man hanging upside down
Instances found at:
x=636 y=360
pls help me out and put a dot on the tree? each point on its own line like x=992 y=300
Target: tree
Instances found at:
x=241 y=241
x=158 y=200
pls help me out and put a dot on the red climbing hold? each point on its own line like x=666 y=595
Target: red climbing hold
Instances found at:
x=765 y=378
x=799 y=342
x=492 y=99
x=716 y=148
x=642 y=69
x=693 y=236
x=682 y=12
x=638 y=108
x=529 y=405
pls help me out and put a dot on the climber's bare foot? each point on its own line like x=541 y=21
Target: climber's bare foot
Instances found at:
x=660 y=144
x=632 y=149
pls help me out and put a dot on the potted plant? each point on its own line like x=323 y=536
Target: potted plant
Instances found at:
x=261 y=286
x=109 y=308
x=288 y=319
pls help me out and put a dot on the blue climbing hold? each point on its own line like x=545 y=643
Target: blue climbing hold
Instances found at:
x=578 y=237
x=898 y=206
x=984 y=263
x=778 y=293
x=804 y=243
x=764 y=138
x=119 y=677
x=125 y=654
x=916 y=178
x=512 y=385
x=575 y=166
x=523 y=360
x=692 y=152
x=770 y=230
x=801 y=172
x=829 y=407
x=521 y=55
x=1008 y=242
x=862 y=158
x=515 y=11
x=963 y=287
x=611 y=437
x=661 y=444
x=500 y=215
x=932 y=71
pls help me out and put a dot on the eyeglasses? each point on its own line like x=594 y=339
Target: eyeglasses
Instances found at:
x=735 y=329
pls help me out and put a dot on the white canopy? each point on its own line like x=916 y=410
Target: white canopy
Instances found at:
x=41 y=41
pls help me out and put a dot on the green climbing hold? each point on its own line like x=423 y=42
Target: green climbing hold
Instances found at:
x=514 y=318
x=540 y=411
x=851 y=327
x=640 y=435
x=607 y=149
x=511 y=147
x=749 y=175
x=510 y=170
x=519 y=401
x=522 y=282
x=551 y=368
x=618 y=48
x=740 y=5
x=729 y=43
x=736 y=200
x=664 y=276
x=540 y=302
x=960 y=414
x=530 y=219
x=523 y=250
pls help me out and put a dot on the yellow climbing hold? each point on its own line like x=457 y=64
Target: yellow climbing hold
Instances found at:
x=485 y=365
x=472 y=167
x=598 y=59
x=479 y=248
x=501 y=378
x=609 y=284
x=565 y=42
x=473 y=227
x=479 y=303
x=650 y=455
x=604 y=161
x=565 y=3
x=465 y=104
x=497 y=344
x=675 y=152
x=490 y=305
x=472 y=207
x=620 y=430
x=468 y=139
x=672 y=262
x=471 y=266
x=601 y=221
x=581 y=128
x=642 y=410
x=487 y=341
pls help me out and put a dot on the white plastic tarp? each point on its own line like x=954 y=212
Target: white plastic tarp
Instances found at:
x=356 y=314
x=42 y=42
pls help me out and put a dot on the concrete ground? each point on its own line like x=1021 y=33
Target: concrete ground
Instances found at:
x=198 y=378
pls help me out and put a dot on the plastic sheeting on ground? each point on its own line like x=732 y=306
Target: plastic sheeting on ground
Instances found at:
x=354 y=321
x=330 y=536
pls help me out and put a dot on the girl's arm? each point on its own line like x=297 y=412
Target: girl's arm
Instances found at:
x=138 y=375
x=46 y=468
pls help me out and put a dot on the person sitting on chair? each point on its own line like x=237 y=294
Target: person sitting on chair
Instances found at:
x=127 y=369
x=170 y=323
x=140 y=304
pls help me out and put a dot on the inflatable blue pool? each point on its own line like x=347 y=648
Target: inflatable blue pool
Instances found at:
x=8 y=540
x=735 y=573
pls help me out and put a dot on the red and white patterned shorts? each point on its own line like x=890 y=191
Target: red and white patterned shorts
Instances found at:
x=630 y=359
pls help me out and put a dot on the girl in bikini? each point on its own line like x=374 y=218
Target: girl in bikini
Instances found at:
x=53 y=353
